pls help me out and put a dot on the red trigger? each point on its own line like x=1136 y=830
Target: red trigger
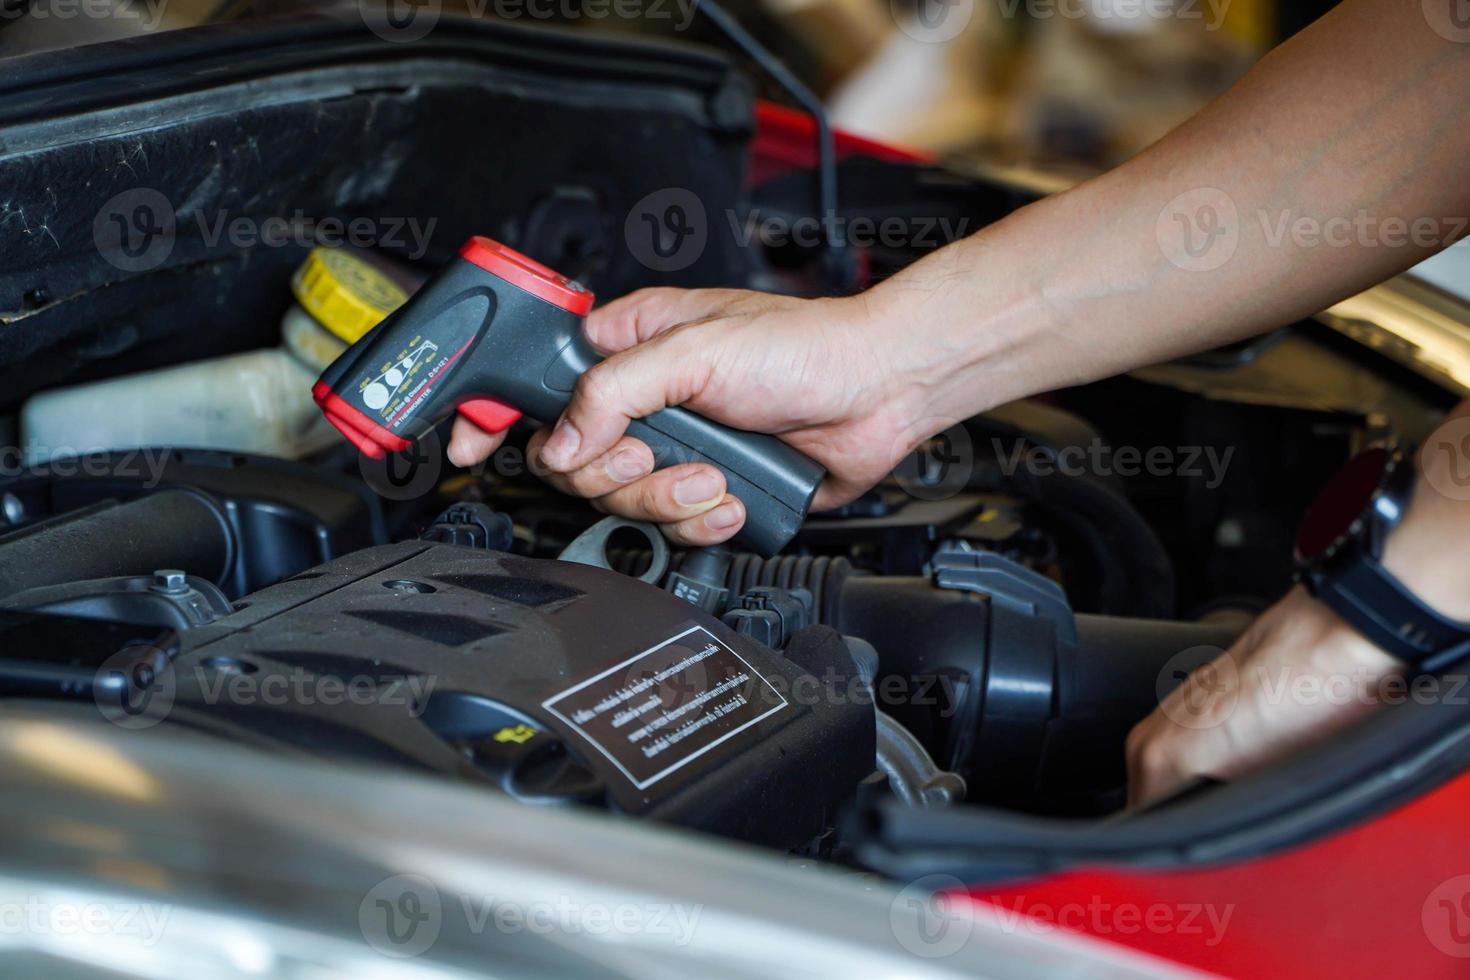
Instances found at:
x=489 y=414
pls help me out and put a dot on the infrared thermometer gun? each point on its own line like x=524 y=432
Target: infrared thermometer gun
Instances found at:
x=495 y=335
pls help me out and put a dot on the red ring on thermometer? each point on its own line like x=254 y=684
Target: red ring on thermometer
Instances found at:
x=528 y=274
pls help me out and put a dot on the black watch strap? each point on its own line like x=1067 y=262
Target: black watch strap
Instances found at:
x=1388 y=614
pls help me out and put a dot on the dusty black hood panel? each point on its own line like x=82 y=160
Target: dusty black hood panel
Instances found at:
x=544 y=139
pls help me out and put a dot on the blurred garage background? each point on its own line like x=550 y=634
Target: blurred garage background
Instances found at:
x=1064 y=85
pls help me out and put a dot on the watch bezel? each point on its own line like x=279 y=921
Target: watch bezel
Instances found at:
x=1368 y=529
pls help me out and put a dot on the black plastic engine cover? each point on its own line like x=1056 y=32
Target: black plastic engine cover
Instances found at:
x=555 y=681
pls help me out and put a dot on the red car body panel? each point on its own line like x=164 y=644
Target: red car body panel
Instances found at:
x=786 y=140
x=1388 y=898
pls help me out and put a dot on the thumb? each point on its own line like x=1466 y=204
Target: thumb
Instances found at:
x=629 y=385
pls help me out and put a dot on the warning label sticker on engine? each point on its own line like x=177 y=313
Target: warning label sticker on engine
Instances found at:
x=665 y=707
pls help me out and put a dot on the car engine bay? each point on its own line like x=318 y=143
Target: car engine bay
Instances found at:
x=982 y=629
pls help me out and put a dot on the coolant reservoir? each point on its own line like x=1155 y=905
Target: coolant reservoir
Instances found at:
x=346 y=293
x=257 y=402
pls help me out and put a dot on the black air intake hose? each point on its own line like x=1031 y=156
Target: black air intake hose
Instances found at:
x=181 y=529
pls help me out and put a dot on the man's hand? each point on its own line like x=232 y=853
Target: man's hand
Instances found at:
x=1082 y=285
x=1300 y=672
x=821 y=374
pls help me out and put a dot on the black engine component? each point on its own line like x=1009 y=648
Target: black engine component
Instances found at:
x=1029 y=704
x=985 y=663
x=472 y=525
x=820 y=575
x=555 y=681
x=168 y=599
x=243 y=522
x=701 y=580
x=171 y=529
x=771 y=616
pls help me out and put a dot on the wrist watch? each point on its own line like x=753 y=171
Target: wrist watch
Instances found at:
x=1339 y=550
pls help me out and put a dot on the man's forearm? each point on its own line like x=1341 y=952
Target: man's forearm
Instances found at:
x=1337 y=162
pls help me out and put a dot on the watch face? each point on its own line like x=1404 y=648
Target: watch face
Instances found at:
x=1342 y=501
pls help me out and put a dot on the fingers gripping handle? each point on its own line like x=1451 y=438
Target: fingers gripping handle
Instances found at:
x=774 y=481
x=496 y=334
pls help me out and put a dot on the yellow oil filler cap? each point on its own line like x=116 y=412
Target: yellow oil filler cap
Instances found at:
x=345 y=293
